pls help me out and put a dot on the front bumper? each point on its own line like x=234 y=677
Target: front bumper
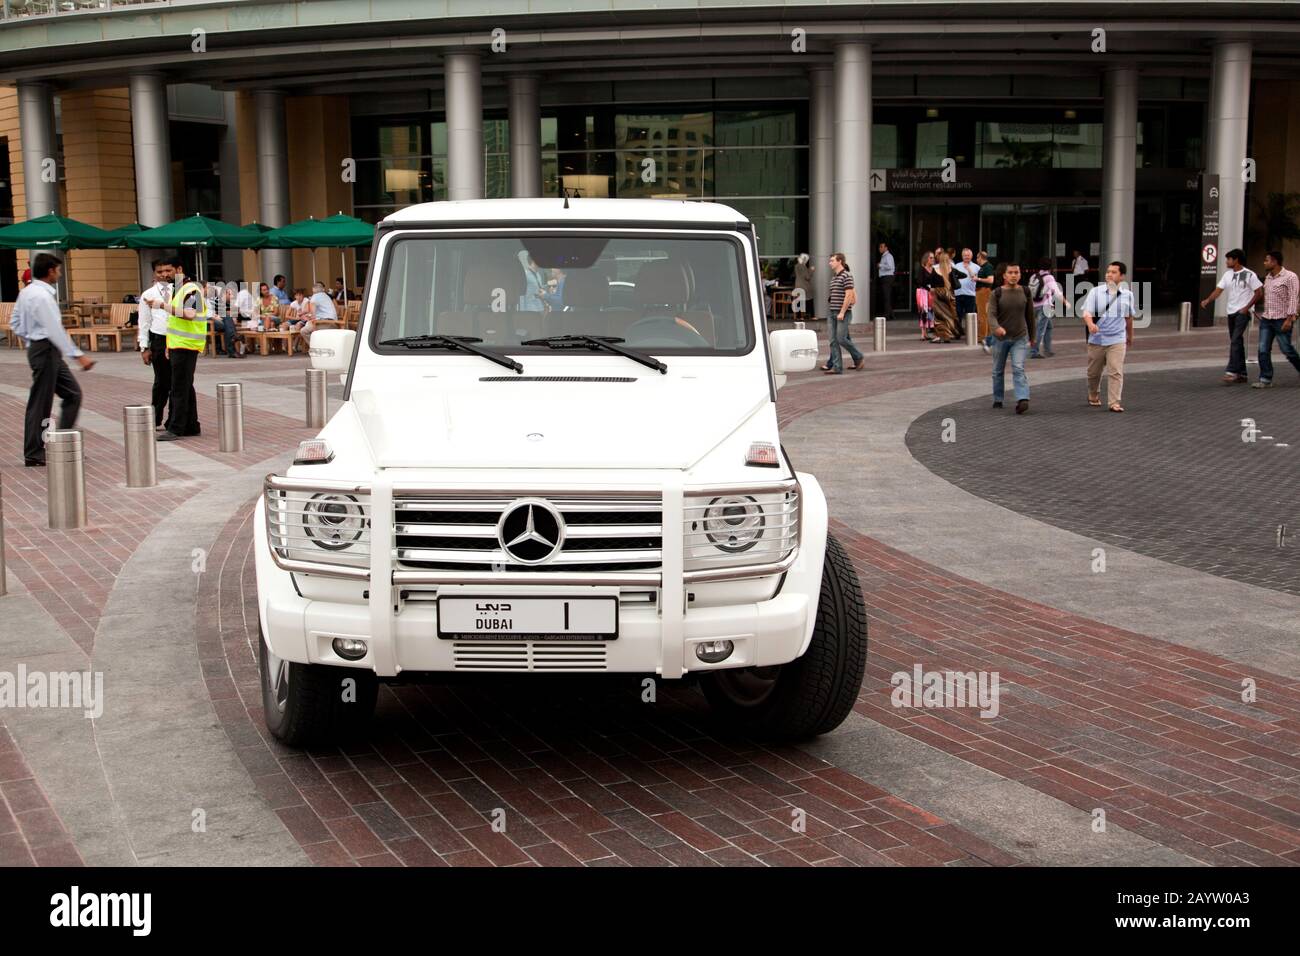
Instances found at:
x=768 y=618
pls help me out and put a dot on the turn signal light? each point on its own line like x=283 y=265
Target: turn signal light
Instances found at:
x=762 y=454
x=315 y=451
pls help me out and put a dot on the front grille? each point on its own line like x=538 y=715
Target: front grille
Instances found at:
x=601 y=534
x=528 y=656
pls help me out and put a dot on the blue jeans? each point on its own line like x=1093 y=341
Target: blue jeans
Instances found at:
x=1043 y=338
x=224 y=327
x=839 y=332
x=1017 y=349
x=1270 y=329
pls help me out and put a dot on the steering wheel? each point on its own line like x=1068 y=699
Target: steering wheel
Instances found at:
x=664 y=331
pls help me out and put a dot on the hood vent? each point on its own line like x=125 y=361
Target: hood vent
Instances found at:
x=556 y=378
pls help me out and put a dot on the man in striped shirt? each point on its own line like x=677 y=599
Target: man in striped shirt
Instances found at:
x=1277 y=314
x=842 y=300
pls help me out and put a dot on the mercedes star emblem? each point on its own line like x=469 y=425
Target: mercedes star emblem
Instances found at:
x=531 y=531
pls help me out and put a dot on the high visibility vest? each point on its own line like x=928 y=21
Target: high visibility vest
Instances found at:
x=183 y=333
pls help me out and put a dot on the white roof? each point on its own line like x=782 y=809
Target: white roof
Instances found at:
x=512 y=211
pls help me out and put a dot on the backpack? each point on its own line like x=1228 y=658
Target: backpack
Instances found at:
x=1036 y=286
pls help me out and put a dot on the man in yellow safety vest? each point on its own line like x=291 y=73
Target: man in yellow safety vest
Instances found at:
x=187 y=336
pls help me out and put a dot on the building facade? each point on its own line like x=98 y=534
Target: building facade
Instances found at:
x=832 y=126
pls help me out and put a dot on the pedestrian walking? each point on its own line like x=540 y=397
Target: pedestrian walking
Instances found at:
x=1011 y=316
x=37 y=320
x=966 y=271
x=187 y=336
x=1244 y=290
x=805 y=300
x=1277 y=315
x=842 y=299
x=926 y=279
x=943 y=303
x=1108 y=316
x=1080 y=266
x=984 y=282
x=885 y=274
x=1044 y=292
x=151 y=335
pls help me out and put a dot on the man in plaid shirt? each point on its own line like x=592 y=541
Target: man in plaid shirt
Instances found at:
x=1277 y=314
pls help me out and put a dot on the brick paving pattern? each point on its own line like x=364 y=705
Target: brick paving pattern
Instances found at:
x=1129 y=479
x=31 y=833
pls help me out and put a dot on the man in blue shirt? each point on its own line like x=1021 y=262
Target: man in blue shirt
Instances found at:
x=39 y=322
x=1108 y=313
x=278 y=290
x=885 y=272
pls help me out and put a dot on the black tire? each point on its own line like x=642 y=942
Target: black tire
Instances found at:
x=811 y=695
x=313 y=708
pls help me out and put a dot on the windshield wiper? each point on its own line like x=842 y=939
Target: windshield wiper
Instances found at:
x=606 y=342
x=463 y=342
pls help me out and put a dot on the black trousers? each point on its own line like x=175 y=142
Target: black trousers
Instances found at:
x=1238 y=323
x=162 y=375
x=184 y=413
x=50 y=376
x=887 y=296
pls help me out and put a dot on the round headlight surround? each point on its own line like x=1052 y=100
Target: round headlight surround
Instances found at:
x=734 y=523
x=333 y=521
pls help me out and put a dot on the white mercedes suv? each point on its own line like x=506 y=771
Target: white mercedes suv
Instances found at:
x=557 y=453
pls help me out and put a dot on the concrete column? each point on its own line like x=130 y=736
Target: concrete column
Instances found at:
x=852 y=143
x=525 y=114
x=272 y=179
x=152 y=147
x=821 y=168
x=1229 y=119
x=232 y=259
x=464 y=102
x=1119 y=167
x=36 y=128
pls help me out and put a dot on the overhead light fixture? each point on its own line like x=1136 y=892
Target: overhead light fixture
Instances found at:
x=931 y=112
x=1071 y=114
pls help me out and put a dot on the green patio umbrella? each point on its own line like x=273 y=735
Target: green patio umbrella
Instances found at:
x=200 y=232
x=121 y=232
x=54 y=232
x=334 y=232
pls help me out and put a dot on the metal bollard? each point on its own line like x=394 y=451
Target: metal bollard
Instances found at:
x=230 y=416
x=3 y=589
x=972 y=330
x=66 y=476
x=1185 y=317
x=878 y=327
x=315 y=398
x=141 y=450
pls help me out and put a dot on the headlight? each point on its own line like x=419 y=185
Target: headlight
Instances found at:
x=755 y=525
x=334 y=521
x=734 y=523
x=319 y=525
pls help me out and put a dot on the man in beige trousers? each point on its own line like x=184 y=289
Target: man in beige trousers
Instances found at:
x=1108 y=313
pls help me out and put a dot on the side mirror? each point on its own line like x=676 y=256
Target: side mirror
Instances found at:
x=793 y=350
x=331 y=349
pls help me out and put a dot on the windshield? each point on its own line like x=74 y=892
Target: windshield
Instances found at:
x=660 y=293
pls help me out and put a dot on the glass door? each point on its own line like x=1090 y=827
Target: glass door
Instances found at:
x=1017 y=233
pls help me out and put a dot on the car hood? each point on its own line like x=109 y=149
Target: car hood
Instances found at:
x=643 y=423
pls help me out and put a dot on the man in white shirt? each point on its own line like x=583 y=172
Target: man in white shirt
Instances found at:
x=246 y=307
x=967 y=270
x=152 y=341
x=322 y=305
x=1243 y=289
x=38 y=321
x=885 y=272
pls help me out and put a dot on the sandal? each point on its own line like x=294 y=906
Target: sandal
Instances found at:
x=1094 y=402
x=1116 y=407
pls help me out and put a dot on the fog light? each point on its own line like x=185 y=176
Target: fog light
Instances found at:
x=711 y=652
x=349 y=648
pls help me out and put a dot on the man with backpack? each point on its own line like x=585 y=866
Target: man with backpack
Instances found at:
x=1044 y=291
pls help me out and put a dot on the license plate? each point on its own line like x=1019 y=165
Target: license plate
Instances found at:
x=528 y=618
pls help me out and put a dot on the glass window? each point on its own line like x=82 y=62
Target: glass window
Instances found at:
x=931 y=144
x=1013 y=145
x=779 y=223
x=884 y=146
x=658 y=293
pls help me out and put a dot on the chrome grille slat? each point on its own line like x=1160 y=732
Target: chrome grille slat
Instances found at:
x=529 y=656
